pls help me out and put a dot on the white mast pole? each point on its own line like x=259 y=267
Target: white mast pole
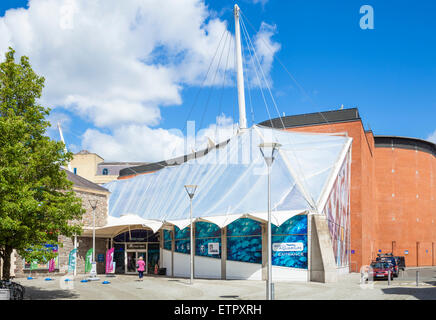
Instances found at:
x=239 y=71
x=65 y=148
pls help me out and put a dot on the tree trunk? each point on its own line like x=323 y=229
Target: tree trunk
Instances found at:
x=7 y=263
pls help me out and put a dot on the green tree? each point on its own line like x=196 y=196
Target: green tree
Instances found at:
x=37 y=203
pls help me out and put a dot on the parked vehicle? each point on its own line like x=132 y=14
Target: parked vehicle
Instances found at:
x=401 y=262
x=390 y=259
x=380 y=270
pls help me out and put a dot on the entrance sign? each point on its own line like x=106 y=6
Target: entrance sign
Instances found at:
x=88 y=261
x=136 y=246
x=288 y=246
x=213 y=248
x=72 y=260
x=109 y=261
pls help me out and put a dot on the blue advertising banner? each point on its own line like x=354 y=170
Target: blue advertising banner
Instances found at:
x=290 y=251
x=289 y=243
x=72 y=260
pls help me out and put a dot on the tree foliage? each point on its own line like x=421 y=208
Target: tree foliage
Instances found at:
x=37 y=202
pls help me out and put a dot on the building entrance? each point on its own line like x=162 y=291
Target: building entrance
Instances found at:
x=132 y=259
x=129 y=246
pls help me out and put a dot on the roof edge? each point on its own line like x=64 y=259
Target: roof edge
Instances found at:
x=314 y=118
x=410 y=143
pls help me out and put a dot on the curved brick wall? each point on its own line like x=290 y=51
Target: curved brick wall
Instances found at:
x=406 y=202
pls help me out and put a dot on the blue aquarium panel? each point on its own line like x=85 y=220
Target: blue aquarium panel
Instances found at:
x=207 y=230
x=245 y=249
x=202 y=247
x=244 y=227
x=183 y=246
x=182 y=234
x=294 y=225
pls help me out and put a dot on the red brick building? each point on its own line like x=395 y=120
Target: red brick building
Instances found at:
x=393 y=188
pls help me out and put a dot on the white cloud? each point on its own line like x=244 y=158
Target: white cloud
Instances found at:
x=116 y=63
x=265 y=50
x=263 y=2
x=432 y=137
x=140 y=143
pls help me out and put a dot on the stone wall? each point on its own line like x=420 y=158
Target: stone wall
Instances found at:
x=101 y=211
x=83 y=243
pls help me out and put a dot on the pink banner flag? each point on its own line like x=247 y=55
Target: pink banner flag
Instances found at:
x=52 y=264
x=109 y=260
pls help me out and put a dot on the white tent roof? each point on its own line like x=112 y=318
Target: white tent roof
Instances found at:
x=232 y=181
x=115 y=225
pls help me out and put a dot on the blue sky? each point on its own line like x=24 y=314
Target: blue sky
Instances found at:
x=389 y=72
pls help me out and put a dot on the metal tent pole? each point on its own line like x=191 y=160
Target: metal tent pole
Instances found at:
x=239 y=71
x=191 y=245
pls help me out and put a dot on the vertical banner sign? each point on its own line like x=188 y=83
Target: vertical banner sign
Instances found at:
x=52 y=262
x=34 y=265
x=72 y=261
x=109 y=260
x=88 y=261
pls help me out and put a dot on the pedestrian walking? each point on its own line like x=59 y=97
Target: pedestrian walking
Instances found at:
x=140 y=265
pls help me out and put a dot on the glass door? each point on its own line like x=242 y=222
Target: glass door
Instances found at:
x=153 y=257
x=131 y=262
x=119 y=253
x=132 y=259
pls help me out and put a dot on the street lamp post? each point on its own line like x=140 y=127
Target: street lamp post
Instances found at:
x=190 y=189
x=269 y=151
x=93 y=204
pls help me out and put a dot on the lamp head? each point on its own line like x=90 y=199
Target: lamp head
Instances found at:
x=269 y=151
x=93 y=203
x=190 y=189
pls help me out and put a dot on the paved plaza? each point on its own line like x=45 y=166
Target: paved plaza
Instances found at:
x=128 y=287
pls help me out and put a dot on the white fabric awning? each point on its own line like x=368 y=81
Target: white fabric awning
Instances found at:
x=116 y=225
x=181 y=224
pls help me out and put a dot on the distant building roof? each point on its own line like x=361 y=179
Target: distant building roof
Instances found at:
x=83 y=152
x=316 y=118
x=405 y=143
x=81 y=182
x=130 y=163
x=113 y=168
x=150 y=167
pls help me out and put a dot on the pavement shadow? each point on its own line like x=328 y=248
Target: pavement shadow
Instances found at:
x=418 y=293
x=35 y=293
x=231 y=297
